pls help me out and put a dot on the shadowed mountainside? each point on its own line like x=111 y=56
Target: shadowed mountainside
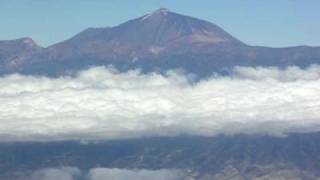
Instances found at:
x=223 y=156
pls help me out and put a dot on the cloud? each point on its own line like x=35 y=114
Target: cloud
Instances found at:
x=291 y=73
x=65 y=173
x=121 y=174
x=72 y=173
x=101 y=103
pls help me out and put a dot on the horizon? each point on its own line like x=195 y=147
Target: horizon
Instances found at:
x=76 y=17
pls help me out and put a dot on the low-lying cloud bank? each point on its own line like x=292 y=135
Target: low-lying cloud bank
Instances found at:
x=101 y=103
x=120 y=174
x=64 y=173
x=71 y=173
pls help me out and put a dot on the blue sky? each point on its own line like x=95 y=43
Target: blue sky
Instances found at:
x=274 y=23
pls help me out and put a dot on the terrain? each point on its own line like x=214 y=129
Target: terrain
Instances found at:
x=159 y=41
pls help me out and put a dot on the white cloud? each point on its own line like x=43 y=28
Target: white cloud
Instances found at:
x=102 y=104
x=122 y=174
x=73 y=173
x=292 y=73
x=65 y=173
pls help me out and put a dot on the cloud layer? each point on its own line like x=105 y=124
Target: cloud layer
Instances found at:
x=122 y=174
x=72 y=173
x=64 y=173
x=101 y=103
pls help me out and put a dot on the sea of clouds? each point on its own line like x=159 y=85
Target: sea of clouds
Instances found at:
x=101 y=104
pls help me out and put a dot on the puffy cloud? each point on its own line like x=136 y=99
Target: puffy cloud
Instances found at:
x=291 y=73
x=65 y=173
x=121 y=174
x=72 y=173
x=103 y=104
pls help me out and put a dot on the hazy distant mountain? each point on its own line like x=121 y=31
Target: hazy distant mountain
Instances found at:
x=158 y=41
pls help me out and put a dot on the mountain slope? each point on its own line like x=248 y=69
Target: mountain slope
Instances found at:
x=159 y=41
x=222 y=157
x=157 y=33
x=16 y=53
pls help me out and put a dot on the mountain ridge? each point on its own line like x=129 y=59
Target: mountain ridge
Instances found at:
x=159 y=41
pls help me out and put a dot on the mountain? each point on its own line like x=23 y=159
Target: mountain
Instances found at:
x=153 y=34
x=16 y=53
x=222 y=157
x=158 y=41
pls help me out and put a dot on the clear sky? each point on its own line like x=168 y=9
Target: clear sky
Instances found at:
x=257 y=22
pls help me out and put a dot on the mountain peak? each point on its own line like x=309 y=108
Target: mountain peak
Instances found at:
x=166 y=28
x=160 y=32
x=25 y=42
x=28 y=41
x=162 y=11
